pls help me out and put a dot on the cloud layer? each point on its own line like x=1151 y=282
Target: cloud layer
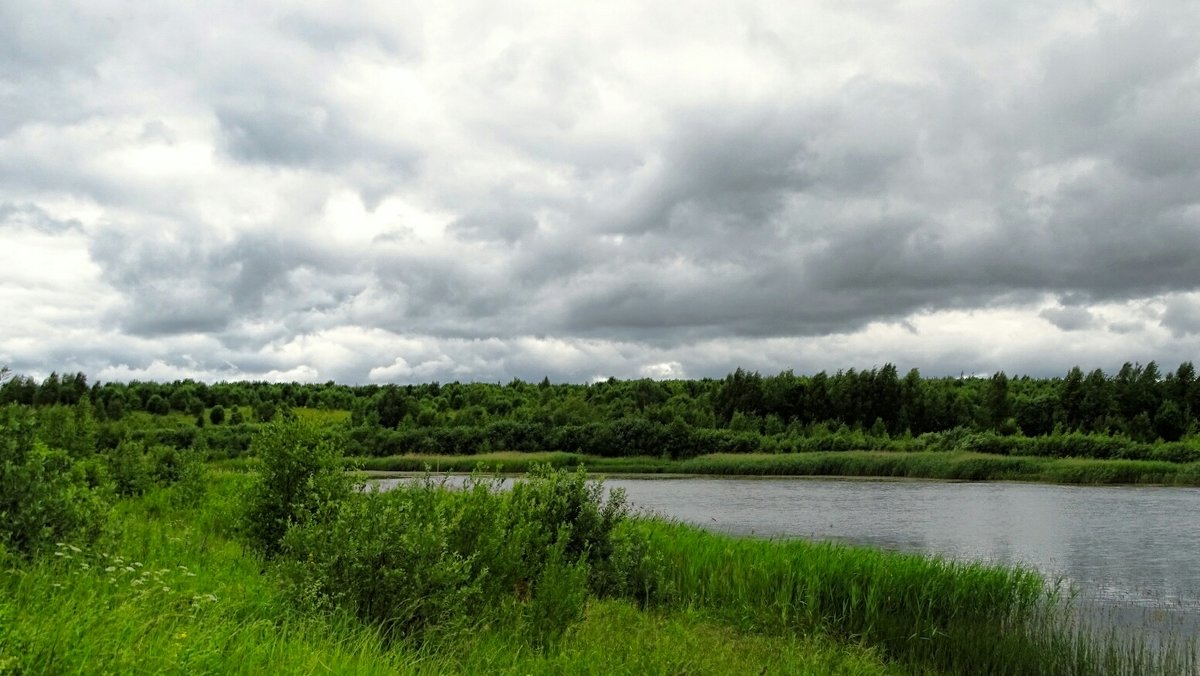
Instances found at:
x=409 y=193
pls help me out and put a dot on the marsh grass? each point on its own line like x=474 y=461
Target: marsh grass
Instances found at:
x=946 y=465
x=926 y=613
x=515 y=462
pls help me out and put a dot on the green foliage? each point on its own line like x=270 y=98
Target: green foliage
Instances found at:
x=420 y=559
x=45 y=495
x=182 y=469
x=220 y=614
x=301 y=477
x=172 y=590
x=265 y=411
x=157 y=405
x=925 y=615
x=130 y=468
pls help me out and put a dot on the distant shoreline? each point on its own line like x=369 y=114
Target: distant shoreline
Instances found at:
x=959 y=466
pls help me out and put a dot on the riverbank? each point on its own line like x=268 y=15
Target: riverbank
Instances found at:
x=947 y=465
x=172 y=587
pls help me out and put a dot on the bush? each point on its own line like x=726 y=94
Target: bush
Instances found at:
x=421 y=559
x=181 y=470
x=386 y=558
x=130 y=469
x=44 y=494
x=301 y=477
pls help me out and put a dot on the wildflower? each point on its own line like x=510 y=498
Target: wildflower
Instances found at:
x=180 y=636
x=110 y=569
x=166 y=589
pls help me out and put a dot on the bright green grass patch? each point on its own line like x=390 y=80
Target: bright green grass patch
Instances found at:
x=321 y=416
x=170 y=592
x=615 y=637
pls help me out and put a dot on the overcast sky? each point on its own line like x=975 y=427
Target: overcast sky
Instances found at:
x=405 y=192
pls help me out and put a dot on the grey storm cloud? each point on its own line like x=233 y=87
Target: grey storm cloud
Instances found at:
x=1069 y=318
x=394 y=193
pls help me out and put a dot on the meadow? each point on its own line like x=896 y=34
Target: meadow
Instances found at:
x=294 y=567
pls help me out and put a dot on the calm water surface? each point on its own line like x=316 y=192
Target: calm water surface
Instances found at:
x=1139 y=544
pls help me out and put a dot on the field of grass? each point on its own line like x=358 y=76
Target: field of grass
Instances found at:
x=171 y=590
x=321 y=416
x=173 y=586
x=949 y=465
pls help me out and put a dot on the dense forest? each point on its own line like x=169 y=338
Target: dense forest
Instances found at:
x=1138 y=412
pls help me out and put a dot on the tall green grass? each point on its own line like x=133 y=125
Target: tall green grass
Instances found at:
x=169 y=591
x=926 y=613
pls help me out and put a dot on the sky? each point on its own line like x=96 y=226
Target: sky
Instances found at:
x=412 y=191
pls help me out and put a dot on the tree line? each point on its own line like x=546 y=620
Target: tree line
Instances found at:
x=1140 y=402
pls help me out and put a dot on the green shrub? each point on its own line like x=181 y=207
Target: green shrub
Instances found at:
x=421 y=558
x=559 y=596
x=387 y=559
x=44 y=495
x=130 y=469
x=182 y=470
x=556 y=506
x=301 y=476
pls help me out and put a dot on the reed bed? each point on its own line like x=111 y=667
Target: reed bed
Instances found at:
x=922 y=612
x=942 y=465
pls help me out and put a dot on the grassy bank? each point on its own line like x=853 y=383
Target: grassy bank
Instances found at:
x=171 y=590
x=952 y=465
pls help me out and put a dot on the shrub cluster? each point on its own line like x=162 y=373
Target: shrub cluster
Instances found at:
x=301 y=477
x=420 y=558
x=45 y=495
x=423 y=558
